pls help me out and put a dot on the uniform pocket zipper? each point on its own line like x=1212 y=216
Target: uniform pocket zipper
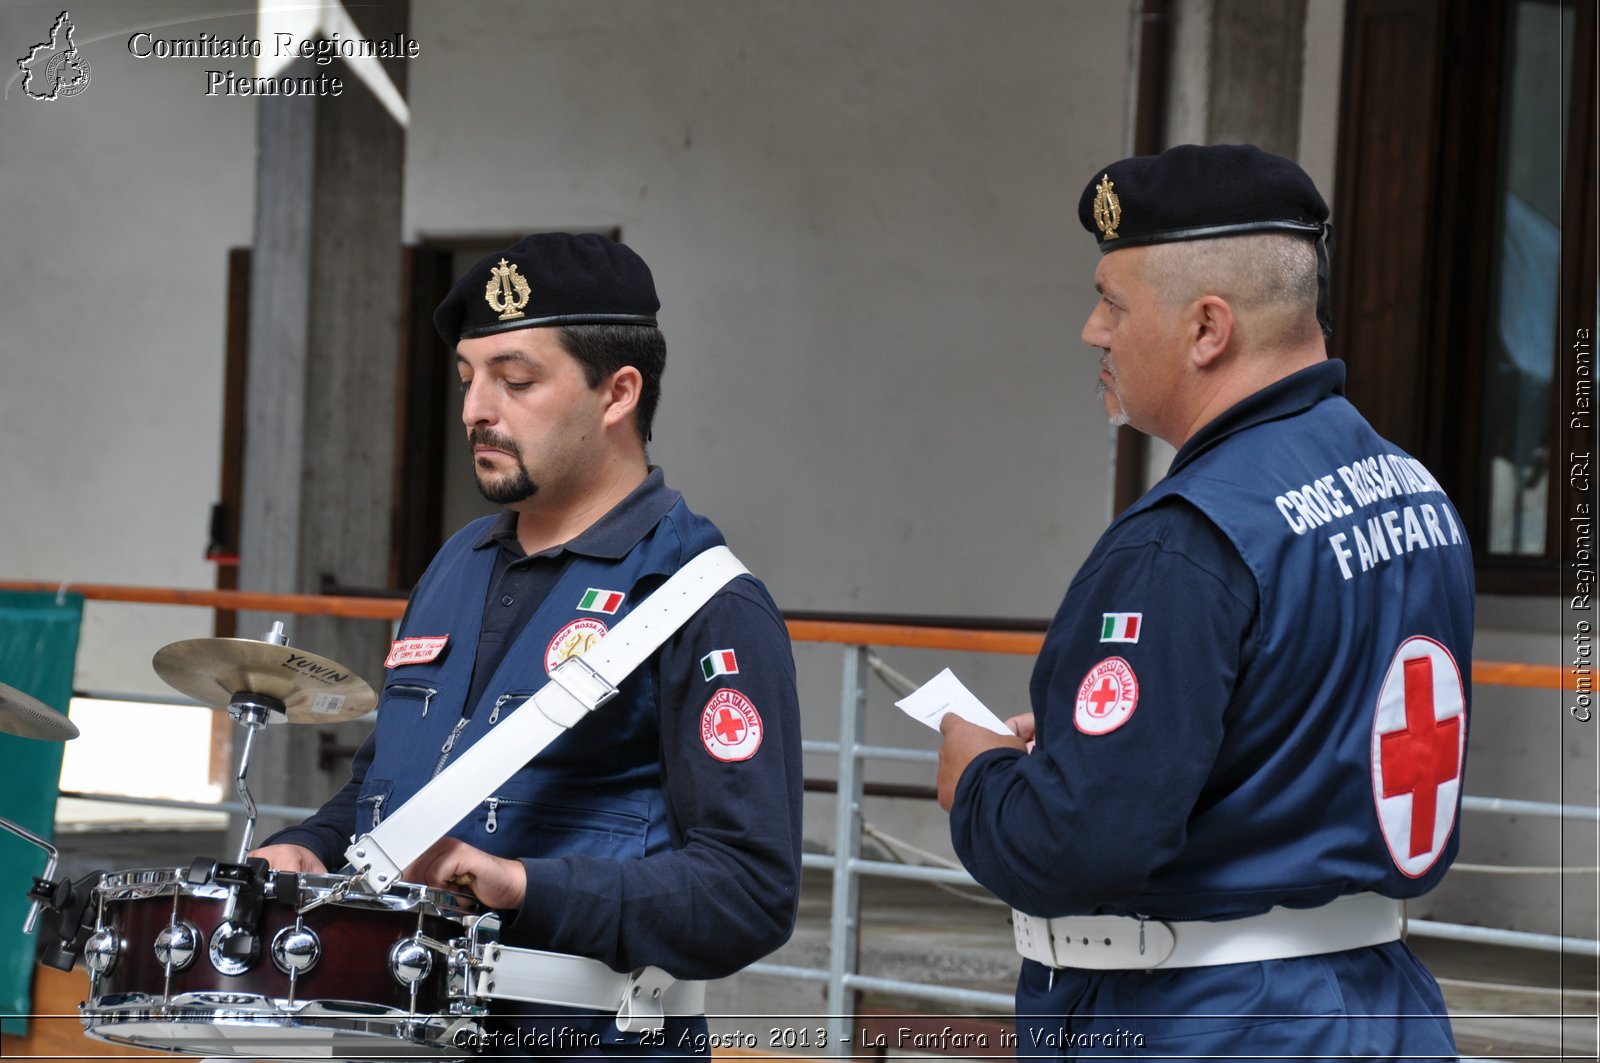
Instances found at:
x=414 y=689
x=494 y=716
x=450 y=743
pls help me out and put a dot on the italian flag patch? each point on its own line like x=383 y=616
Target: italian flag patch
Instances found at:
x=719 y=662
x=1120 y=627
x=595 y=600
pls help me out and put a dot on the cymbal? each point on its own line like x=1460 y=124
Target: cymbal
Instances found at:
x=22 y=714
x=313 y=689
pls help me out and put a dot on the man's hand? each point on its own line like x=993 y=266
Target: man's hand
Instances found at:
x=962 y=742
x=290 y=858
x=1022 y=727
x=452 y=864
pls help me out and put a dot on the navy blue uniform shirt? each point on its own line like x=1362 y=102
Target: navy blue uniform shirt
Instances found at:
x=663 y=829
x=1252 y=695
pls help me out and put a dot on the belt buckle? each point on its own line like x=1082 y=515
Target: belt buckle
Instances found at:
x=578 y=677
x=642 y=1005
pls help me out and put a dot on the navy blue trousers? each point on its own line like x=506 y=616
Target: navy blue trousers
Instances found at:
x=1376 y=1003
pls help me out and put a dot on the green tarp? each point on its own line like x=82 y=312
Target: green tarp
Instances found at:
x=38 y=644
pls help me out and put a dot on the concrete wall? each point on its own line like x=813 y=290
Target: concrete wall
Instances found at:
x=117 y=209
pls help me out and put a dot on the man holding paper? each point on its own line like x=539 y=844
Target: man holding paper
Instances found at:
x=1249 y=714
x=663 y=829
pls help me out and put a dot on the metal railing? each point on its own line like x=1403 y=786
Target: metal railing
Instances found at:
x=847 y=866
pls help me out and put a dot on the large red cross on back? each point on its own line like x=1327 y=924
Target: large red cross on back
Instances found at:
x=1423 y=756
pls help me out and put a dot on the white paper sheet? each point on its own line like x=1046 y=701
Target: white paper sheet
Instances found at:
x=944 y=694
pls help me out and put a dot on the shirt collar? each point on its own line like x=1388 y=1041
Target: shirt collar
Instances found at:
x=1298 y=391
x=612 y=536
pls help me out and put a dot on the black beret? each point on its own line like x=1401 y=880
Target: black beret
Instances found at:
x=1192 y=192
x=549 y=279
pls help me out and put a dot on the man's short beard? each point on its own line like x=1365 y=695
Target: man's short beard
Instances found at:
x=509 y=489
x=505 y=490
x=1118 y=417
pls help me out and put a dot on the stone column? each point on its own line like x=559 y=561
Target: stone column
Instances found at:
x=325 y=343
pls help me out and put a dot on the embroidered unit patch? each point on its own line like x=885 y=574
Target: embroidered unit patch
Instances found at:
x=415 y=651
x=575 y=637
x=1106 y=697
x=730 y=727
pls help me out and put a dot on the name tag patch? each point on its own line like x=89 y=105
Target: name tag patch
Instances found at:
x=415 y=651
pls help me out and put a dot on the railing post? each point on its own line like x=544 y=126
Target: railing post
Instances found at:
x=844 y=935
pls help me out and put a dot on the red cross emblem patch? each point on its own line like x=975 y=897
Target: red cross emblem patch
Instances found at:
x=576 y=637
x=1419 y=739
x=730 y=727
x=1106 y=697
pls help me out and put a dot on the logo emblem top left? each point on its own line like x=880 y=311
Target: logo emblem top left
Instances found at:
x=54 y=69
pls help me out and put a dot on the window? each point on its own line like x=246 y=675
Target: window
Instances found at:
x=1519 y=403
x=1466 y=249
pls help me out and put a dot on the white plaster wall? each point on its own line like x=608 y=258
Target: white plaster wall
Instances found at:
x=117 y=209
x=862 y=221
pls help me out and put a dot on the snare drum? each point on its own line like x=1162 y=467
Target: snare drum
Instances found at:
x=335 y=972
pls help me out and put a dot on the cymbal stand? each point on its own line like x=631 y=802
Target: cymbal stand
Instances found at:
x=252 y=711
x=49 y=868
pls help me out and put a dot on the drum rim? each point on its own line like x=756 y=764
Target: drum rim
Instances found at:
x=144 y=882
x=433 y=1035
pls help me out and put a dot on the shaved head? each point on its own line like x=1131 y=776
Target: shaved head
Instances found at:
x=1269 y=279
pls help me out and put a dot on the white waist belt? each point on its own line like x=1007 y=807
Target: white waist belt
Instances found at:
x=641 y=1000
x=1114 y=942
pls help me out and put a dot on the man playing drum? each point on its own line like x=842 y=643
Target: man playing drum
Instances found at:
x=663 y=829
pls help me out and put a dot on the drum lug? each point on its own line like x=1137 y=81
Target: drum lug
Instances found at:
x=177 y=944
x=234 y=948
x=410 y=961
x=100 y=952
x=296 y=949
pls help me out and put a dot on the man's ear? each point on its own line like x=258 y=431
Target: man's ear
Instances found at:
x=1211 y=329
x=620 y=393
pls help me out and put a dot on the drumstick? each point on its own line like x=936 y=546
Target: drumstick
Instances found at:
x=466 y=878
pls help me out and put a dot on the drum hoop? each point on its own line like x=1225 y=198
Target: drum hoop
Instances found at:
x=130 y=1022
x=143 y=883
x=132 y=1007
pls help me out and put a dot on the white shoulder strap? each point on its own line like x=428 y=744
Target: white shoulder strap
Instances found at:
x=577 y=686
